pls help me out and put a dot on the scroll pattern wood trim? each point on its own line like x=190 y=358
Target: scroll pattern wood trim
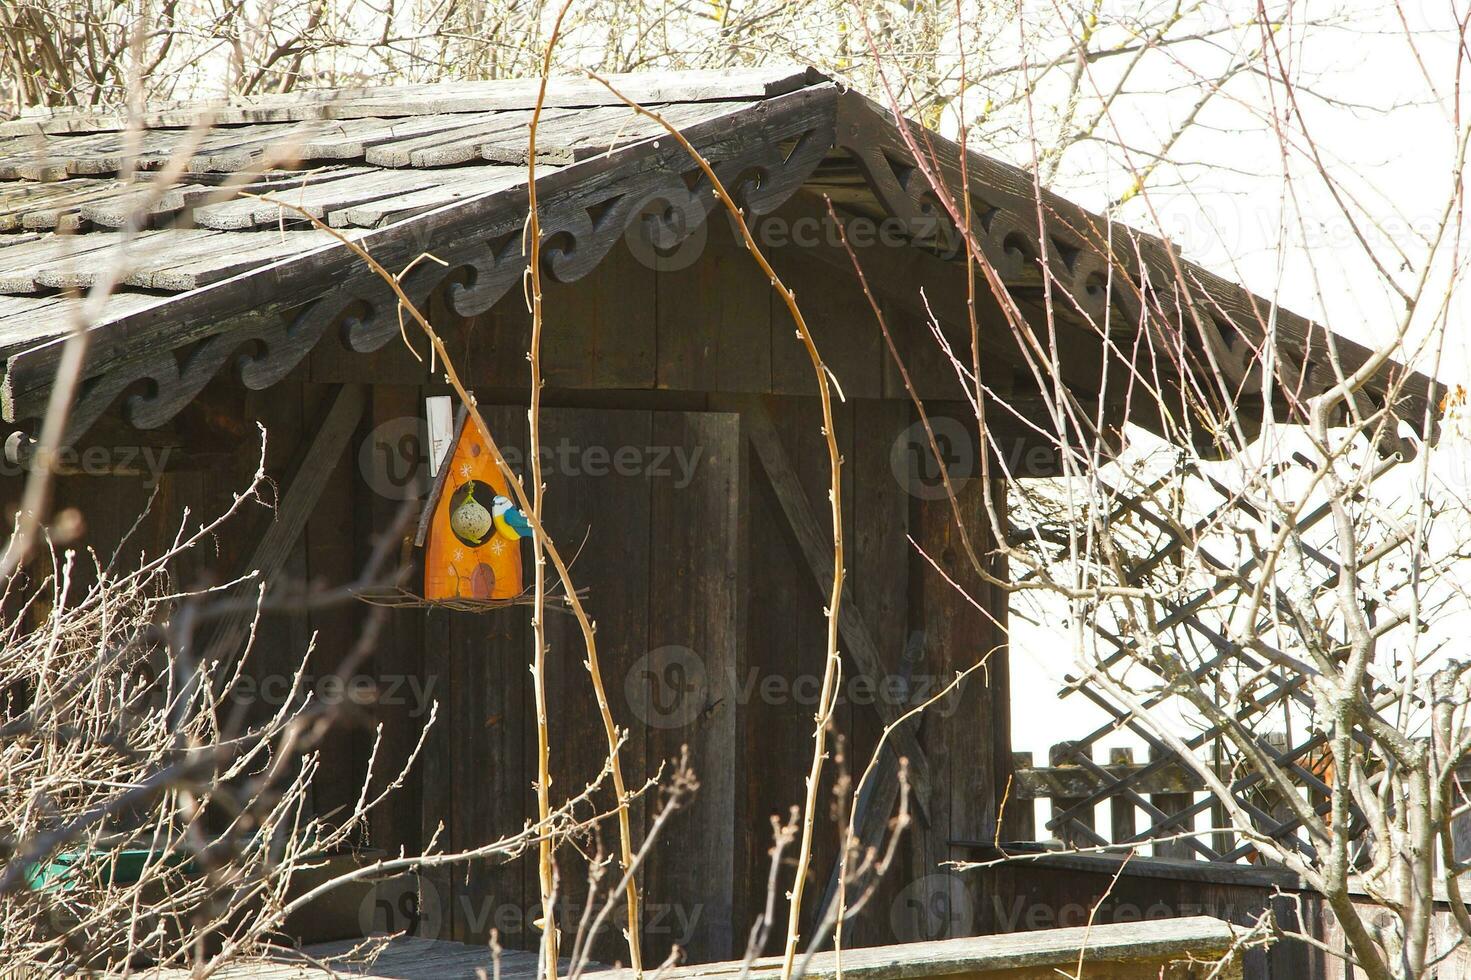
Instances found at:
x=762 y=163
x=1114 y=277
x=1006 y=220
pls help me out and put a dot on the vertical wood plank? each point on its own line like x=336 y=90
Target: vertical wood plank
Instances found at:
x=785 y=639
x=436 y=811
x=1223 y=840
x=694 y=616
x=600 y=331
x=436 y=798
x=1171 y=803
x=280 y=641
x=799 y=425
x=932 y=375
x=998 y=666
x=330 y=545
x=714 y=318
x=842 y=325
x=598 y=509
x=1066 y=754
x=879 y=575
x=1293 y=959
x=397 y=662
x=491 y=347
x=1121 y=808
x=1021 y=814
x=957 y=730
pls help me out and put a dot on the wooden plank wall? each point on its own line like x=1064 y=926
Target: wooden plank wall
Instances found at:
x=695 y=603
x=661 y=359
x=208 y=455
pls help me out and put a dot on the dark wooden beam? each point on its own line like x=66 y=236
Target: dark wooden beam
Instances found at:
x=818 y=552
x=315 y=466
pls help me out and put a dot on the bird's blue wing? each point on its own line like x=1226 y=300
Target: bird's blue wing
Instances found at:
x=518 y=522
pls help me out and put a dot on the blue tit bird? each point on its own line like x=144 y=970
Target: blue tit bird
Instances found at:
x=509 y=521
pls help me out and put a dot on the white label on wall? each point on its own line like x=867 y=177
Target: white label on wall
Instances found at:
x=439 y=410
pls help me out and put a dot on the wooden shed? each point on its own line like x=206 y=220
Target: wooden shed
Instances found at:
x=681 y=430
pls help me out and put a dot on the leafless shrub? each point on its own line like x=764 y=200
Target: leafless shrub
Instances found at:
x=145 y=814
x=149 y=816
x=1284 y=551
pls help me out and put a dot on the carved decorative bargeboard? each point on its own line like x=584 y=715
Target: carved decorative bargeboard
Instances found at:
x=1113 y=280
x=479 y=242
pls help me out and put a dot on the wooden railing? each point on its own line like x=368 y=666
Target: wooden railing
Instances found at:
x=1155 y=803
x=1167 y=790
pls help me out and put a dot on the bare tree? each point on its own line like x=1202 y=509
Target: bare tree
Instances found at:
x=1043 y=79
x=1282 y=551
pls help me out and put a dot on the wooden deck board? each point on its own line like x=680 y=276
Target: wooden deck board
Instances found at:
x=402 y=958
x=1149 y=946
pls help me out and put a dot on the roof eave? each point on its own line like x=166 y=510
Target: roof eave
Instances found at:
x=476 y=238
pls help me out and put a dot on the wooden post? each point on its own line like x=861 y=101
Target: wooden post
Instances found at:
x=1170 y=803
x=1061 y=754
x=1121 y=808
x=1222 y=841
x=1276 y=745
x=1020 y=818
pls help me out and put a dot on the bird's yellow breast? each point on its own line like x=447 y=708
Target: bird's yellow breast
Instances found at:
x=504 y=527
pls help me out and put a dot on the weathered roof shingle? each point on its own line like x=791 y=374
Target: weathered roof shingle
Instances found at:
x=356 y=159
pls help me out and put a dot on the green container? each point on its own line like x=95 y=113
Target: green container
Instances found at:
x=123 y=867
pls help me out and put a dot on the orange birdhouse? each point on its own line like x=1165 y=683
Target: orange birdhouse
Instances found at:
x=470 y=530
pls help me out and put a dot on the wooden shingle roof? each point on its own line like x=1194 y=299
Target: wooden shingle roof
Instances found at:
x=358 y=159
x=182 y=210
